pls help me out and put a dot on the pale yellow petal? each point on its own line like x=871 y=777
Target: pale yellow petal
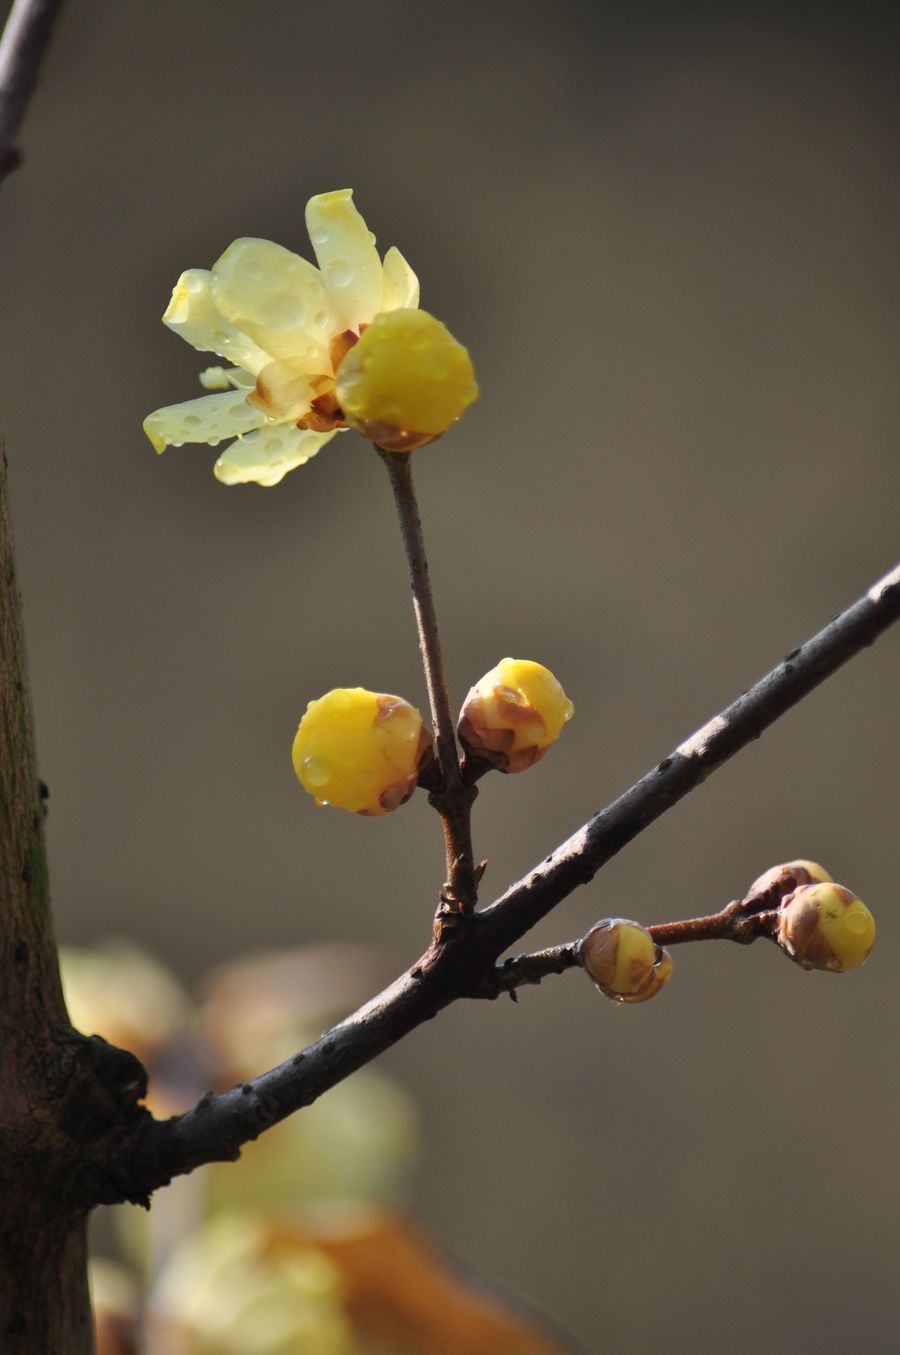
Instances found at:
x=283 y=391
x=345 y=249
x=226 y=378
x=193 y=315
x=210 y=419
x=266 y=456
x=401 y=286
x=276 y=297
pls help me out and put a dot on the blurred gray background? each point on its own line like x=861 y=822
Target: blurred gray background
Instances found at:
x=669 y=239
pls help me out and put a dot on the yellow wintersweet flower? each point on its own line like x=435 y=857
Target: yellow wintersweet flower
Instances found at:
x=286 y=326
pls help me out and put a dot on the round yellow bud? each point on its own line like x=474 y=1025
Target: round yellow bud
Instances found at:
x=513 y=715
x=825 y=926
x=624 y=961
x=406 y=380
x=785 y=878
x=361 y=751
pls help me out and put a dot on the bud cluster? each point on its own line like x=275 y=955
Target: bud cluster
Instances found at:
x=366 y=752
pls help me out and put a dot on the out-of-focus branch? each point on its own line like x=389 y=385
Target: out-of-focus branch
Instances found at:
x=23 y=46
x=462 y=963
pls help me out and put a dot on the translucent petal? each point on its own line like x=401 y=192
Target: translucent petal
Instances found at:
x=345 y=249
x=283 y=391
x=210 y=418
x=266 y=456
x=193 y=315
x=401 y=286
x=226 y=378
x=274 y=296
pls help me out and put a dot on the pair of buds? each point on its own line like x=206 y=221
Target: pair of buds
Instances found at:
x=365 y=751
x=817 y=923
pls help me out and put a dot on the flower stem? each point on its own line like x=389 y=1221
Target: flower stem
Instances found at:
x=453 y=800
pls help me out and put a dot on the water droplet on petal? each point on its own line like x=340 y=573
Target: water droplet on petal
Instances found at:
x=319 y=236
x=340 y=274
x=316 y=772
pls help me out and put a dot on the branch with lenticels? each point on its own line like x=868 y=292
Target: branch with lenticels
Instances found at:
x=463 y=961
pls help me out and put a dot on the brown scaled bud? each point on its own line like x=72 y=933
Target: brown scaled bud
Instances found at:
x=825 y=926
x=624 y=961
x=786 y=878
x=513 y=715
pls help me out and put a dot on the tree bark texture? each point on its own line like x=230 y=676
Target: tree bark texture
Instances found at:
x=58 y=1090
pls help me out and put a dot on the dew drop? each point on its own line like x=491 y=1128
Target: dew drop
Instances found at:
x=193 y=283
x=340 y=274
x=191 y=421
x=319 y=236
x=251 y=270
x=316 y=772
x=319 y=319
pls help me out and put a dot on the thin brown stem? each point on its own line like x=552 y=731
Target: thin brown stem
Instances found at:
x=453 y=800
x=742 y=921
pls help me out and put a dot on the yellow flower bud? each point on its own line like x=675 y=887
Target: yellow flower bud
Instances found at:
x=513 y=715
x=406 y=380
x=361 y=751
x=825 y=926
x=785 y=878
x=624 y=961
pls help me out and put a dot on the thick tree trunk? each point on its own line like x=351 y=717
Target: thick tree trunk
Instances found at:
x=43 y=1284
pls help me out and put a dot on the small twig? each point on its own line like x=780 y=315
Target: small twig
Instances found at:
x=218 y=1125
x=733 y=923
x=454 y=800
x=531 y=968
x=23 y=46
x=743 y=921
x=577 y=860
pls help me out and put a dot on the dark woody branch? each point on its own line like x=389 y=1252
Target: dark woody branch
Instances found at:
x=462 y=963
x=23 y=46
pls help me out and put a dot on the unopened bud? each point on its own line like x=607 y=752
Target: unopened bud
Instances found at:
x=513 y=715
x=624 y=961
x=785 y=879
x=405 y=381
x=360 y=750
x=825 y=926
